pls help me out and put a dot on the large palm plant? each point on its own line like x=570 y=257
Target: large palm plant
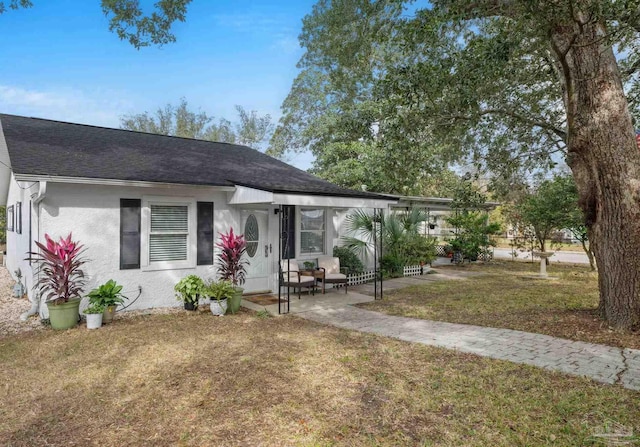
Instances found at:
x=394 y=229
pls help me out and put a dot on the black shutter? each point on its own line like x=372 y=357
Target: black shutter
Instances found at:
x=130 y=217
x=205 y=233
x=288 y=232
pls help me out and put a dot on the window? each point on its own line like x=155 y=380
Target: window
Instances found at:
x=312 y=231
x=169 y=233
x=10 y=218
x=19 y=217
x=169 y=237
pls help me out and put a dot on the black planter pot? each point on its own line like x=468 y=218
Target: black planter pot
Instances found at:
x=190 y=306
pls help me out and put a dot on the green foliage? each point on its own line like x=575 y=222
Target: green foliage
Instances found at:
x=95 y=308
x=348 y=260
x=474 y=233
x=263 y=314
x=417 y=248
x=219 y=290
x=473 y=230
x=14 y=4
x=309 y=265
x=392 y=265
x=189 y=288
x=393 y=87
x=130 y=22
x=550 y=207
x=401 y=240
x=251 y=129
x=107 y=294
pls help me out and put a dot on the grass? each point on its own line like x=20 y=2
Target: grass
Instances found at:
x=505 y=297
x=183 y=379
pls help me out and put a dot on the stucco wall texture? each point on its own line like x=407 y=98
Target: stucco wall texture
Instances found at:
x=92 y=214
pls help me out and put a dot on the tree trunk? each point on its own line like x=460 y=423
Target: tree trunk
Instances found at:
x=605 y=161
x=589 y=252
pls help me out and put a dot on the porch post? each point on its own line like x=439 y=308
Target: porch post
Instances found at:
x=283 y=225
x=377 y=251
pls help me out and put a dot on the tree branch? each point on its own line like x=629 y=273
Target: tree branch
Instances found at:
x=532 y=122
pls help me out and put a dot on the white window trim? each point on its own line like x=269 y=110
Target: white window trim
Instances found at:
x=192 y=236
x=299 y=254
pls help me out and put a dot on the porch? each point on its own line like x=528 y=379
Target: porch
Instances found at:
x=334 y=298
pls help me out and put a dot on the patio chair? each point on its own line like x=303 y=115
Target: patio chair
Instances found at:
x=290 y=277
x=333 y=274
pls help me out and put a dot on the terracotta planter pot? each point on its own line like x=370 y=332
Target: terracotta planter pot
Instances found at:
x=65 y=315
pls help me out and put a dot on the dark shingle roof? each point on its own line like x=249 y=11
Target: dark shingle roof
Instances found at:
x=44 y=147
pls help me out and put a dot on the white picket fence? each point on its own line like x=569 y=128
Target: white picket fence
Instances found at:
x=412 y=270
x=370 y=275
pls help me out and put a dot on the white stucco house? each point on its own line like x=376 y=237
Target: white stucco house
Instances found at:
x=149 y=208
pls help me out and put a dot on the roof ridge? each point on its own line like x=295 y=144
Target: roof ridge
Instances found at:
x=128 y=130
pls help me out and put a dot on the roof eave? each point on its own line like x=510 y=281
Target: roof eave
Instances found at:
x=113 y=182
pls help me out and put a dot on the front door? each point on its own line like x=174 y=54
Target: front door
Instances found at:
x=256 y=233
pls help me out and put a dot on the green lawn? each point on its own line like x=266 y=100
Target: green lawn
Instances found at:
x=183 y=379
x=507 y=297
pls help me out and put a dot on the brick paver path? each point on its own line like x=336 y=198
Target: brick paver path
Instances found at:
x=599 y=362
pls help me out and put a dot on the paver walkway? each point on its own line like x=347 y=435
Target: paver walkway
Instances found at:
x=599 y=362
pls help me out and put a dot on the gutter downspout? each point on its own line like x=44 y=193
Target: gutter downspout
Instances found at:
x=37 y=201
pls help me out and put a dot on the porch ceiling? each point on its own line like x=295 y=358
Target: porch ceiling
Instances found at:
x=244 y=195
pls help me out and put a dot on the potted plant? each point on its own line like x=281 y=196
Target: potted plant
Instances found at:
x=188 y=291
x=231 y=266
x=94 y=315
x=61 y=279
x=220 y=293
x=18 y=288
x=108 y=296
x=309 y=265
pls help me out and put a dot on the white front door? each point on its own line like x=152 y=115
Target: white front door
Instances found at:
x=255 y=227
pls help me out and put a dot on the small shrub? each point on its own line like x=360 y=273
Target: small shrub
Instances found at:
x=418 y=248
x=263 y=314
x=392 y=266
x=189 y=288
x=348 y=259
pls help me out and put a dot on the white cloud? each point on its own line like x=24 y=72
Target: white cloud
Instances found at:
x=287 y=44
x=99 y=107
x=277 y=27
x=255 y=22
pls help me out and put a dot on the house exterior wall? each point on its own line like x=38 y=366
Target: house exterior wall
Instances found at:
x=92 y=213
x=18 y=244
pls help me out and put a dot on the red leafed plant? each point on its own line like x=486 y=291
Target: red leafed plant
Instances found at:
x=59 y=268
x=231 y=266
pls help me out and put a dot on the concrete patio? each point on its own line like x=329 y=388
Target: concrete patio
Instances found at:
x=362 y=293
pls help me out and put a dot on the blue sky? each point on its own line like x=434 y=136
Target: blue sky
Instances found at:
x=58 y=60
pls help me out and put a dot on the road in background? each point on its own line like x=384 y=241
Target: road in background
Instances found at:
x=565 y=257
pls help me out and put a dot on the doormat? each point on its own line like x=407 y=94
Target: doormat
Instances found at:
x=262 y=300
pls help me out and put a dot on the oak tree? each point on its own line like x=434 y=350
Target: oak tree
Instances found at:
x=510 y=86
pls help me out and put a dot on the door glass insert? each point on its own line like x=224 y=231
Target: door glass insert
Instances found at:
x=251 y=235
